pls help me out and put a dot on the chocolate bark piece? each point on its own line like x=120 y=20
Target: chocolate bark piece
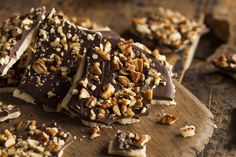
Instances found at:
x=129 y=144
x=60 y=48
x=8 y=111
x=10 y=81
x=118 y=84
x=16 y=35
x=226 y=63
x=34 y=140
x=167 y=30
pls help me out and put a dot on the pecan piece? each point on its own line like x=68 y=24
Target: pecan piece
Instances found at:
x=108 y=91
x=39 y=67
x=138 y=65
x=148 y=94
x=137 y=76
x=95 y=69
x=116 y=63
x=124 y=80
x=167 y=119
x=84 y=93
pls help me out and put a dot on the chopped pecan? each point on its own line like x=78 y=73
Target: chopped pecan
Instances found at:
x=84 y=93
x=145 y=59
x=129 y=112
x=103 y=52
x=148 y=94
x=95 y=69
x=101 y=113
x=126 y=46
x=166 y=118
x=137 y=76
x=116 y=63
x=138 y=65
x=124 y=80
x=91 y=102
x=116 y=110
x=39 y=67
x=130 y=67
x=55 y=43
x=108 y=91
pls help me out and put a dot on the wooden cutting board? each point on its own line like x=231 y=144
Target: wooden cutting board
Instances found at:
x=166 y=140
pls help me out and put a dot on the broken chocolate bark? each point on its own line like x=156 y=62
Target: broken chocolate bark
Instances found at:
x=16 y=35
x=119 y=82
x=166 y=30
x=10 y=81
x=34 y=140
x=129 y=144
x=8 y=111
x=60 y=47
x=226 y=63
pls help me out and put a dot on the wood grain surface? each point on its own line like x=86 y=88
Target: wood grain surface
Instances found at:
x=166 y=141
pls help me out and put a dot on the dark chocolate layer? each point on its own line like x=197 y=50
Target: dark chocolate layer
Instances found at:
x=122 y=79
x=59 y=47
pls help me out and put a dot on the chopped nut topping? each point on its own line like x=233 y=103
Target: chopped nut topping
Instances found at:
x=137 y=76
x=51 y=94
x=108 y=91
x=55 y=43
x=46 y=140
x=148 y=94
x=104 y=52
x=124 y=80
x=39 y=67
x=84 y=93
x=166 y=28
x=95 y=69
x=138 y=65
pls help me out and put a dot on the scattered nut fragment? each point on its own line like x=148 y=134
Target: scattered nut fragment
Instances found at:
x=109 y=90
x=95 y=133
x=187 y=131
x=167 y=119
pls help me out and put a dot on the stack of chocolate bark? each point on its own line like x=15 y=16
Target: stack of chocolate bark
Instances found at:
x=94 y=75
